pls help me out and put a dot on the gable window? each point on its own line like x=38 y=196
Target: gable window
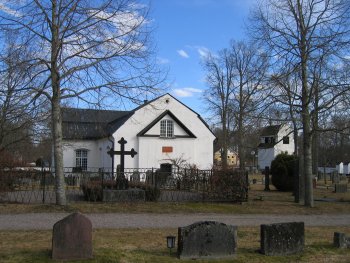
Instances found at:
x=269 y=140
x=167 y=128
x=285 y=140
x=81 y=159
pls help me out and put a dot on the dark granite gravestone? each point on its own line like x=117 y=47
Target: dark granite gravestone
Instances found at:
x=341 y=240
x=129 y=195
x=207 y=239
x=340 y=188
x=72 y=238
x=282 y=239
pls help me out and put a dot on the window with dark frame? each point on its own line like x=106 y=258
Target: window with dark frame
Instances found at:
x=285 y=140
x=269 y=140
x=167 y=129
x=81 y=160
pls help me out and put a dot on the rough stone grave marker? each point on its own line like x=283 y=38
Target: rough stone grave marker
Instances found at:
x=207 y=239
x=72 y=238
x=341 y=240
x=130 y=195
x=282 y=239
x=340 y=188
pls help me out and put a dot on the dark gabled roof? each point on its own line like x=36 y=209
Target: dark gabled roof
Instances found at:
x=96 y=124
x=167 y=112
x=89 y=123
x=271 y=130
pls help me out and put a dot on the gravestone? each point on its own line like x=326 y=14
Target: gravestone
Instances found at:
x=208 y=239
x=129 y=195
x=340 y=188
x=341 y=240
x=72 y=238
x=135 y=177
x=335 y=178
x=282 y=239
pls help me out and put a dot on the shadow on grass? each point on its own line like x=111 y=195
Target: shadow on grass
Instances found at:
x=28 y=256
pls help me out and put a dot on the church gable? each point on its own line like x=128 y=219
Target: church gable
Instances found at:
x=167 y=125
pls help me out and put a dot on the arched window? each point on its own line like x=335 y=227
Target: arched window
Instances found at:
x=166 y=128
x=81 y=159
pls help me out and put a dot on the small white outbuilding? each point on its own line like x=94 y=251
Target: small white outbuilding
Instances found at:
x=274 y=139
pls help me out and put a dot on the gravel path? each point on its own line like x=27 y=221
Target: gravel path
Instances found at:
x=39 y=221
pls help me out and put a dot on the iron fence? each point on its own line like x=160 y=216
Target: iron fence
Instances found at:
x=31 y=185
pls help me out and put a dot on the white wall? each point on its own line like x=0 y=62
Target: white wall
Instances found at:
x=266 y=156
x=280 y=147
x=151 y=150
x=97 y=153
x=198 y=150
x=340 y=168
x=346 y=168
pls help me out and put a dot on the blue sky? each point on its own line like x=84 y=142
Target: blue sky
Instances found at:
x=185 y=30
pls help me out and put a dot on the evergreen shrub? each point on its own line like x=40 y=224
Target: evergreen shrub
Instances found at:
x=283 y=170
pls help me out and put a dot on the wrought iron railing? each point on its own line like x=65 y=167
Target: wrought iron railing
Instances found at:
x=31 y=185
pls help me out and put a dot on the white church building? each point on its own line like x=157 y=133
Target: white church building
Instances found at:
x=274 y=139
x=160 y=131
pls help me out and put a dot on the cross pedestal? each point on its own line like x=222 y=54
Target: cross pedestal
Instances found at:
x=122 y=182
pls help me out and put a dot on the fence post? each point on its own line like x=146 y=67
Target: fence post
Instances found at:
x=267 y=178
x=246 y=185
x=184 y=181
x=44 y=180
x=102 y=182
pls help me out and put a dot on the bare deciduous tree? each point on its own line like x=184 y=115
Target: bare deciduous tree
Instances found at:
x=236 y=90
x=17 y=113
x=82 y=49
x=302 y=32
x=220 y=73
x=249 y=91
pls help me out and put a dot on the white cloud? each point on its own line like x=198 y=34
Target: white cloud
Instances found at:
x=183 y=53
x=186 y=92
x=194 y=90
x=163 y=60
x=203 y=51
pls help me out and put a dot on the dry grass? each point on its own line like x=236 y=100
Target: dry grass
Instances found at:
x=148 y=245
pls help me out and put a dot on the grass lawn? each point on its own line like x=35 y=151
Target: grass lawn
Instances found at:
x=148 y=245
x=260 y=202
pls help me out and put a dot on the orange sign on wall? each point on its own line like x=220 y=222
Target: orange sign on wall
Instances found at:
x=167 y=149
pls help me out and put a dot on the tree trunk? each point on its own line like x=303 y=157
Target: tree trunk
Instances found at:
x=56 y=111
x=301 y=180
x=315 y=135
x=307 y=138
x=241 y=150
x=309 y=201
x=315 y=148
x=58 y=154
x=224 y=139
